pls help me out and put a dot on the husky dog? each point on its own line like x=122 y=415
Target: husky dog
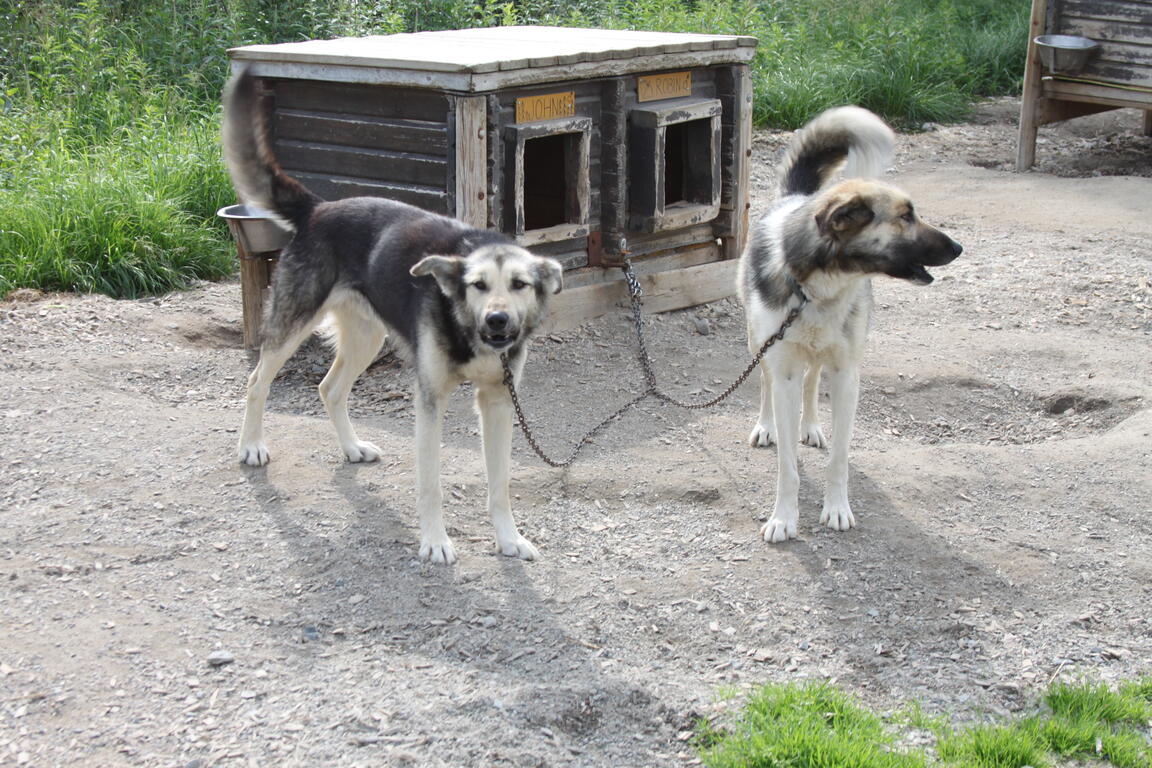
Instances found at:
x=454 y=298
x=823 y=242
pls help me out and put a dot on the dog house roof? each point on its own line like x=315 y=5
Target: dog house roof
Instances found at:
x=485 y=59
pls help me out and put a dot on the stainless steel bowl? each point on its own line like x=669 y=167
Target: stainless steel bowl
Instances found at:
x=255 y=229
x=1065 y=54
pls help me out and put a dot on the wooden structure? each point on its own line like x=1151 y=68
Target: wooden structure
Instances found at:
x=1120 y=75
x=587 y=145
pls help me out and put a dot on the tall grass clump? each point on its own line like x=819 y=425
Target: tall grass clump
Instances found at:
x=108 y=175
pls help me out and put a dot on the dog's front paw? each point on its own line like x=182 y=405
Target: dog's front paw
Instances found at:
x=761 y=436
x=811 y=434
x=438 y=550
x=361 y=451
x=253 y=454
x=778 y=529
x=518 y=547
x=837 y=515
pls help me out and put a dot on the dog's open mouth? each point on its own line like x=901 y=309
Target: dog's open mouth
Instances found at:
x=917 y=274
x=498 y=340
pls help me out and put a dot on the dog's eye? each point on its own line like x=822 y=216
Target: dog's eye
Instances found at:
x=909 y=217
x=480 y=285
x=518 y=284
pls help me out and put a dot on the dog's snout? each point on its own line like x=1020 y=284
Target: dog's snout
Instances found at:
x=496 y=321
x=957 y=249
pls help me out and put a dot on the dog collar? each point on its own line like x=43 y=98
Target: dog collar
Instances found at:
x=797 y=289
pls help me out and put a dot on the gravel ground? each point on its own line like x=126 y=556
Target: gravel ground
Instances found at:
x=163 y=606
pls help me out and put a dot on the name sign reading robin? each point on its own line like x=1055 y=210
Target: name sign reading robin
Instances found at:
x=671 y=85
x=548 y=106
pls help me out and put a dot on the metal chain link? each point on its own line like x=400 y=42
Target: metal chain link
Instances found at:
x=635 y=291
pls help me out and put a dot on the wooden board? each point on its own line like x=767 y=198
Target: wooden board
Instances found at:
x=663 y=292
x=487 y=59
x=491 y=49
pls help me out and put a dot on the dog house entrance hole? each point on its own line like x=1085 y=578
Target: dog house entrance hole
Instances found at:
x=674 y=164
x=548 y=171
x=688 y=162
x=547 y=200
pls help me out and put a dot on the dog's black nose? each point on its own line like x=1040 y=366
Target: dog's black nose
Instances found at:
x=497 y=321
x=957 y=249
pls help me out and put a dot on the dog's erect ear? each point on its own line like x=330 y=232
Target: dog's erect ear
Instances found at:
x=844 y=215
x=550 y=274
x=448 y=271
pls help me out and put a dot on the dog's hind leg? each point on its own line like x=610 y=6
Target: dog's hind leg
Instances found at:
x=358 y=336
x=274 y=352
x=495 y=408
x=762 y=435
x=810 y=432
x=786 y=394
x=844 y=386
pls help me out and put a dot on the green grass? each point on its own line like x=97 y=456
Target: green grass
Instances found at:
x=809 y=726
x=816 y=726
x=109 y=168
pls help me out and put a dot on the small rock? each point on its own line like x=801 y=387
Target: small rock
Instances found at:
x=220 y=658
x=702 y=326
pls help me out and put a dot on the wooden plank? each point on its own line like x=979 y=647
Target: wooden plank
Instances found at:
x=1069 y=90
x=419 y=136
x=360 y=99
x=1106 y=32
x=468 y=82
x=1128 y=11
x=552 y=234
x=472 y=160
x=484 y=50
x=337 y=188
x=369 y=164
x=663 y=292
x=661 y=261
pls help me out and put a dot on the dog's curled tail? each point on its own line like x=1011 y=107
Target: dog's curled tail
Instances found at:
x=850 y=135
x=256 y=175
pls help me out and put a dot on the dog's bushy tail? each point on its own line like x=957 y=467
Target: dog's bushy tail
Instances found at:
x=256 y=175
x=839 y=136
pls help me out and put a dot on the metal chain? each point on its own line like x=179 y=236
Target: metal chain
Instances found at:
x=635 y=291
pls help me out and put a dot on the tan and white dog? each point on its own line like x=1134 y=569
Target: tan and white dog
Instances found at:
x=822 y=243
x=454 y=298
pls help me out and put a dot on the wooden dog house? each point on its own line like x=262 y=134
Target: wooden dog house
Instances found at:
x=587 y=145
x=1119 y=75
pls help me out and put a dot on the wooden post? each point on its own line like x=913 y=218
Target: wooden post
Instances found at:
x=253 y=283
x=1148 y=122
x=738 y=162
x=1030 y=98
x=472 y=160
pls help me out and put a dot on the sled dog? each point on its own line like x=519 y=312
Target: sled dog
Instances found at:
x=452 y=297
x=824 y=241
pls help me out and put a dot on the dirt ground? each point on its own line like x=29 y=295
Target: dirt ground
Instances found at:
x=160 y=605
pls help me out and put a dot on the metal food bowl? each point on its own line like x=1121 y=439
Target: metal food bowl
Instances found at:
x=1065 y=54
x=254 y=228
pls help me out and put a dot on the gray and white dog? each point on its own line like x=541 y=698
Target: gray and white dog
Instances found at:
x=824 y=242
x=454 y=299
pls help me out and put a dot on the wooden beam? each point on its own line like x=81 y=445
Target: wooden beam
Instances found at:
x=1029 y=98
x=472 y=160
x=663 y=292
